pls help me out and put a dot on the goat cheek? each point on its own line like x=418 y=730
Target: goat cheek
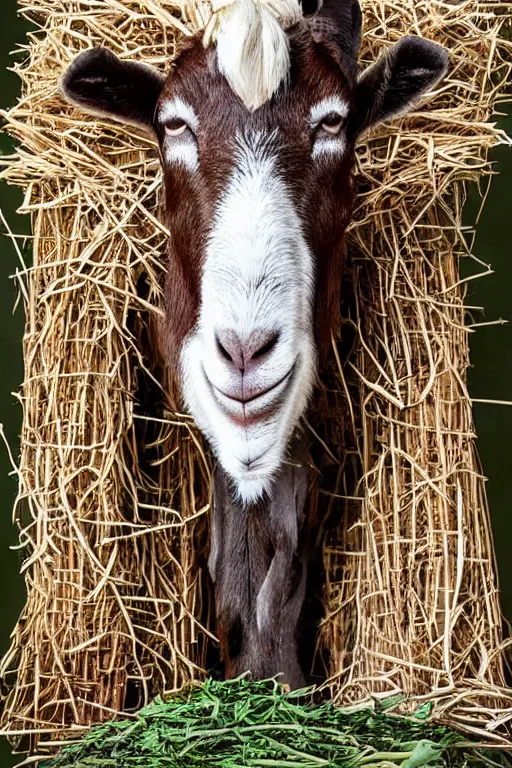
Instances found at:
x=331 y=244
x=181 y=306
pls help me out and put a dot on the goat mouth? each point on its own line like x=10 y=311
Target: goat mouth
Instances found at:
x=259 y=394
x=258 y=407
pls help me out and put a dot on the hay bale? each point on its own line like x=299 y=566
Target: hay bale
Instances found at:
x=114 y=481
x=412 y=561
x=112 y=616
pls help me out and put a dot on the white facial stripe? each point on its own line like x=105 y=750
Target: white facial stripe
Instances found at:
x=180 y=110
x=329 y=147
x=258 y=273
x=323 y=108
x=257 y=233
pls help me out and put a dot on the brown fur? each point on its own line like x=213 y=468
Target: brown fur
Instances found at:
x=259 y=559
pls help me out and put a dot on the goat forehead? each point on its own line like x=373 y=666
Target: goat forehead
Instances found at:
x=197 y=81
x=256 y=229
x=255 y=183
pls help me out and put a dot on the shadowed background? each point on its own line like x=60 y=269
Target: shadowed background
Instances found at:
x=491 y=377
x=12 y=589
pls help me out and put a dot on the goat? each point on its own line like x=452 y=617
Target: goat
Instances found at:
x=257 y=131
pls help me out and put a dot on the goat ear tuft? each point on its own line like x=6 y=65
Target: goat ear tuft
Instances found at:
x=392 y=85
x=101 y=83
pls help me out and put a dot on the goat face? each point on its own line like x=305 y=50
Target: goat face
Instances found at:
x=257 y=202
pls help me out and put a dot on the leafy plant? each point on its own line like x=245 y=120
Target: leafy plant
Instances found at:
x=245 y=724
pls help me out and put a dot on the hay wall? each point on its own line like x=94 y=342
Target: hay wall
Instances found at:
x=114 y=483
x=112 y=616
x=414 y=566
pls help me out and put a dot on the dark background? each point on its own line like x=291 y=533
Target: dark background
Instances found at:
x=12 y=591
x=491 y=352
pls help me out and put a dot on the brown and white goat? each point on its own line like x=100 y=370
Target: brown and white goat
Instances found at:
x=258 y=196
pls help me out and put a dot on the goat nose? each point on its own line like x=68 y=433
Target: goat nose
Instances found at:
x=245 y=352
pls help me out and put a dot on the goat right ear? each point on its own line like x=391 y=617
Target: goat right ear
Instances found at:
x=393 y=85
x=100 y=83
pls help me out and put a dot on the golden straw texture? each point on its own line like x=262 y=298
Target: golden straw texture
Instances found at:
x=112 y=616
x=412 y=596
x=114 y=482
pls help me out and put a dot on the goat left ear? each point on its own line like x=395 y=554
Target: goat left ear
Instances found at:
x=392 y=85
x=101 y=83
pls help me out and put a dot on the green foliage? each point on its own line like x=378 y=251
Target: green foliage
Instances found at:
x=243 y=724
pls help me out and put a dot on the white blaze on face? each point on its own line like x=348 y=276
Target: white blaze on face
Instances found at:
x=257 y=276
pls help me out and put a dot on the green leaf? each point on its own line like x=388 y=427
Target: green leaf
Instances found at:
x=425 y=752
x=424 y=711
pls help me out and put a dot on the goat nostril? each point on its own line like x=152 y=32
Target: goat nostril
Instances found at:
x=267 y=347
x=239 y=352
x=223 y=351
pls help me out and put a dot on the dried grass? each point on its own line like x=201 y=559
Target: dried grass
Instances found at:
x=114 y=482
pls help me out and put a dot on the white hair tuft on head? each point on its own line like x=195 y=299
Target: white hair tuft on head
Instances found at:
x=252 y=45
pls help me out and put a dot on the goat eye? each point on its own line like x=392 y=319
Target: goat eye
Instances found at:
x=332 y=123
x=176 y=127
